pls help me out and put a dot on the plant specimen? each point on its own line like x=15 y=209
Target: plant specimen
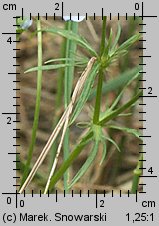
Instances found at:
x=90 y=85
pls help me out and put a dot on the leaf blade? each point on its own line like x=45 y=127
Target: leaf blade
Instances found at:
x=72 y=36
x=113 y=142
x=47 y=67
x=86 y=165
x=127 y=130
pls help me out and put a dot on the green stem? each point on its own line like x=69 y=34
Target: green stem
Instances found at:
x=68 y=83
x=137 y=174
x=37 y=106
x=100 y=77
x=98 y=98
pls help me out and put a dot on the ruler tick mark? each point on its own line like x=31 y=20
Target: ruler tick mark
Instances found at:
x=56 y=195
x=142 y=192
x=62 y=10
x=142 y=184
x=22 y=13
x=142 y=24
x=118 y=17
x=136 y=196
x=102 y=13
x=126 y=16
x=94 y=16
x=96 y=199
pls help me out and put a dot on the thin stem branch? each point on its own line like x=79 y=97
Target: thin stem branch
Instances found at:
x=58 y=102
x=68 y=81
x=137 y=174
x=37 y=106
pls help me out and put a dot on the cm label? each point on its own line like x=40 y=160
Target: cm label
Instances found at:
x=9 y=7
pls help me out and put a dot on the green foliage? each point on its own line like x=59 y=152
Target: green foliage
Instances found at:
x=104 y=151
x=48 y=67
x=87 y=164
x=127 y=130
x=113 y=142
x=110 y=51
x=73 y=37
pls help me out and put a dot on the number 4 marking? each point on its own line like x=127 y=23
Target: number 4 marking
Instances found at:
x=150 y=170
x=9 y=40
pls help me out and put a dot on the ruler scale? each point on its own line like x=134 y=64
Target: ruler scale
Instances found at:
x=90 y=209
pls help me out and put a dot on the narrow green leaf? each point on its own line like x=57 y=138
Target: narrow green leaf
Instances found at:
x=122 y=49
x=113 y=142
x=47 y=67
x=77 y=61
x=104 y=151
x=108 y=44
x=125 y=115
x=134 y=132
x=74 y=37
x=83 y=125
x=86 y=165
x=116 y=38
x=57 y=60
